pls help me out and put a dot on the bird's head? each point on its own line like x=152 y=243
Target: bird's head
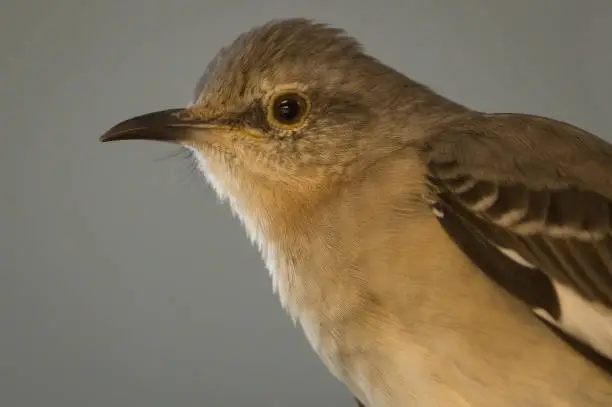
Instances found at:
x=286 y=110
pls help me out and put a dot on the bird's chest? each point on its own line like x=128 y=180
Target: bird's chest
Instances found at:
x=360 y=325
x=308 y=302
x=360 y=342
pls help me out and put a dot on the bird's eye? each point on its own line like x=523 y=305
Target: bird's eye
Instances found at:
x=288 y=110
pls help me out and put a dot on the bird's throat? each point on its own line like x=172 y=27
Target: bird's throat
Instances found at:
x=274 y=221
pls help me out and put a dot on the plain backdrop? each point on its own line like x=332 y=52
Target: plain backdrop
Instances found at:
x=123 y=281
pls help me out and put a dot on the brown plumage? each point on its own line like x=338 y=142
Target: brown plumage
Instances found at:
x=434 y=255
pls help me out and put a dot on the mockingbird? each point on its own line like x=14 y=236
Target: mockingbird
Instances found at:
x=434 y=255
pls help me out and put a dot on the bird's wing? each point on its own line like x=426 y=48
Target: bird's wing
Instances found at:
x=529 y=200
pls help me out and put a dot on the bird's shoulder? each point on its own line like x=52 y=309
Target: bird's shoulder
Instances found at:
x=536 y=150
x=529 y=200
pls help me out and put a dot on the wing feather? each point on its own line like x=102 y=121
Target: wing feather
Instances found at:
x=538 y=192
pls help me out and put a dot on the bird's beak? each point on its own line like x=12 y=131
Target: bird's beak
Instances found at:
x=171 y=126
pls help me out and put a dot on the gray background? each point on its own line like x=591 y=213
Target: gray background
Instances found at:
x=123 y=281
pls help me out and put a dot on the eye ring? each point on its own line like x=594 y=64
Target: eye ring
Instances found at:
x=288 y=110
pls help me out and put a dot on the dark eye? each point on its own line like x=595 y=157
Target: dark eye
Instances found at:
x=288 y=109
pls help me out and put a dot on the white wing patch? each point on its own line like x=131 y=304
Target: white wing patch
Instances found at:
x=437 y=212
x=586 y=321
x=514 y=256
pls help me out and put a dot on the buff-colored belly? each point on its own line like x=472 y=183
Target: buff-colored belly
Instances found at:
x=479 y=351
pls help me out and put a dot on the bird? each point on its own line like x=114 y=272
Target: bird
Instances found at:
x=433 y=254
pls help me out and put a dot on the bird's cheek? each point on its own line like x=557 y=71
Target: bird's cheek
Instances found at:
x=251 y=133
